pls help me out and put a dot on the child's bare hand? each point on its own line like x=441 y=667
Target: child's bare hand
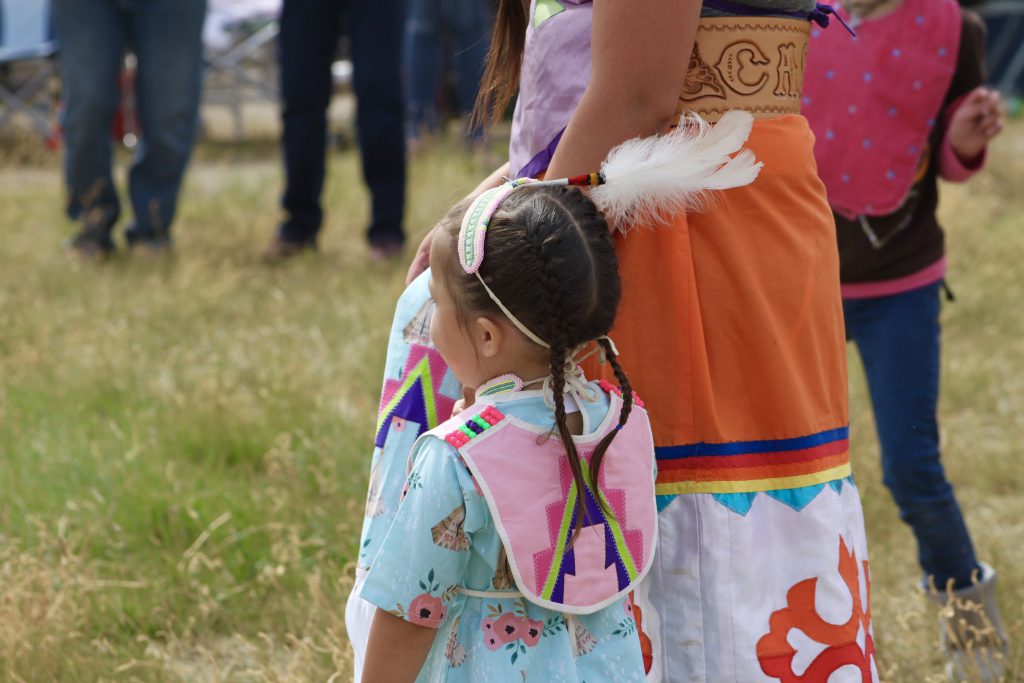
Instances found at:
x=467 y=400
x=459 y=406
x=976 y=121
x=421 y=261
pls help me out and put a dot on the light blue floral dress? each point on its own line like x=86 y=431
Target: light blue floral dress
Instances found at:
x=443 y=538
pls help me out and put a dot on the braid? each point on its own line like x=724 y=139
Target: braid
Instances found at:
x=627 y=407
x=620 y=375
x=562 y=424
x=557 y=334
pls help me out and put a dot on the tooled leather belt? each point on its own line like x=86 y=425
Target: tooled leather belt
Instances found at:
x=750 y=63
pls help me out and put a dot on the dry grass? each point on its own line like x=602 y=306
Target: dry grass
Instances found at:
x=184 y=443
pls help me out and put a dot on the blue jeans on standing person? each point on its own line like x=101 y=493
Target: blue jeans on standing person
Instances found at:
x=166 y=37
x=898 y=338
x=462 y=25
x=308 y=42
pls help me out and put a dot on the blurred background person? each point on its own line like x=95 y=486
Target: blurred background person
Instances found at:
x=446 y=44
x=165 y=36
x=894 y=111
x=308 y=43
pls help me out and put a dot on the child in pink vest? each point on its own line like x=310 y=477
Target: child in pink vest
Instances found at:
x=529 y=516
x=893 y=110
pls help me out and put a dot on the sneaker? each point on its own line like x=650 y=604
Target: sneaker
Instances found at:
x=386 y=251
x=971 y=632
x=153 y=250
x=92 y=244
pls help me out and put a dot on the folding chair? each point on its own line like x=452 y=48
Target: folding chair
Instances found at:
x=240 y=40
x=26 y=47
x=241 y=65
x=1005 y=21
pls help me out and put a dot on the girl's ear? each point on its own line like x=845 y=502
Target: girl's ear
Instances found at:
x=488 y=336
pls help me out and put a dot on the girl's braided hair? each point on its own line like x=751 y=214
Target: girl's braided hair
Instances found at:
x=551 y=261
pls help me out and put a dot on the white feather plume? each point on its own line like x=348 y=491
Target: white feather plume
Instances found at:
x=651 y=179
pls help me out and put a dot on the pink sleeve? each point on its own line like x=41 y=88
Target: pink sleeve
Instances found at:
x=951 y=166
x=955 y=169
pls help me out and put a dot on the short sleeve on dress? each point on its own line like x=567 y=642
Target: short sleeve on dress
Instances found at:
x=423 y=559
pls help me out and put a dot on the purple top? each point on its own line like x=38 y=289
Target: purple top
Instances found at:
x=554 y=74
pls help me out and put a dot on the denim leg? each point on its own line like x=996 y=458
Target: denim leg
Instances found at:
x=422 y=58
x=898 y=338
x=166 y=37
x=307 y=44
x=92 y=35
x=375 y=29
x=470 y=22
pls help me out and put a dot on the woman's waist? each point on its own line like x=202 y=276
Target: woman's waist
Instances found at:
x=751 y=63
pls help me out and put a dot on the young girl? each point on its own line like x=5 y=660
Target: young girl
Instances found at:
x=529 y=516
x=894 y=110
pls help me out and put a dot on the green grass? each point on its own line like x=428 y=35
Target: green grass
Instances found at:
x=184 y=443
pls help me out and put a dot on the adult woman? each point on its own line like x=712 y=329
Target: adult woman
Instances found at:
x=731 y=320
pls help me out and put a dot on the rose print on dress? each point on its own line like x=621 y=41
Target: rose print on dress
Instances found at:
x=425 y=609
x=508 y=627
x=532 y=631
x=514 y=630
x=490 y=635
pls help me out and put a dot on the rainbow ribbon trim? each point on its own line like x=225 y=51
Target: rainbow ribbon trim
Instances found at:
x=754 y=466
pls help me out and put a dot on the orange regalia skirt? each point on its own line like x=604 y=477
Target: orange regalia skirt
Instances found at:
x=731 y=330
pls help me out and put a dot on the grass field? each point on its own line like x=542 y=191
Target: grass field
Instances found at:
x=184 y=443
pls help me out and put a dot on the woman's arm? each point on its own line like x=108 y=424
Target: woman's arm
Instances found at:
x=641 y=51
x=397 y=649
x=422 y=258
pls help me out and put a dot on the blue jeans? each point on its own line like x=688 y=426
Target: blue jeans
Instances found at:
x=462 y=25
x=308 y=42
x=166 y=37
x=898 y=338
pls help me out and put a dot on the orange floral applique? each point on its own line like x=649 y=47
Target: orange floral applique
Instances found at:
x=840 y=640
